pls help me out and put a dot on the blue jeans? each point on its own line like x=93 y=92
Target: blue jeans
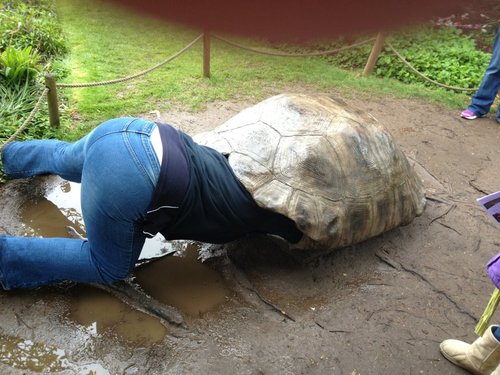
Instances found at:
x=485 y=95
x=118 y=170
x=496 y=333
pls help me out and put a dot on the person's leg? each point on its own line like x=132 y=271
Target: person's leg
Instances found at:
x=496 y=332
x=480 y=357
x=485 y=95
x=113 y=212
x=118 y=178
x=49 y=156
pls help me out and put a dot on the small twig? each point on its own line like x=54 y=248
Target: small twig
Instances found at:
x=5 y=230
x=338 y=331
x=478 y=245
x=471 y=183
x=319 y=325
x=384 y=257
x=446 y=213
x=234 y=272
x=20 y=320
x=447 y=226
x=127 y=367
x=272 y=305
x=438 y=200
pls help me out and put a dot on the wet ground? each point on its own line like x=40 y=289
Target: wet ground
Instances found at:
x=380 y=307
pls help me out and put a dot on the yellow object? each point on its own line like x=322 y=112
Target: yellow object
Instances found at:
x=484 y=321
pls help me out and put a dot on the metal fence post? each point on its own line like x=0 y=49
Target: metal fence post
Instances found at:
x=377 y=47
x=206 y=54
x=50 y=82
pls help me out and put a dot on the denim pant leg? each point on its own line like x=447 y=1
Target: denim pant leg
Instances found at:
x=48 y=156
x=485 y=95
x=496 y=333
x=119 y=173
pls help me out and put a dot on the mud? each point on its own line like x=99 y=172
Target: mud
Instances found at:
x=380 y=307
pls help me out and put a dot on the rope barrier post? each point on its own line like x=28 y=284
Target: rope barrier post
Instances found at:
x=206 y=54
x=50 y=82
x=372 y=59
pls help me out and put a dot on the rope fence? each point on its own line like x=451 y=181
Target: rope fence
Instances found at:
x=51 y=86
x=132 y=76
x=286 y=54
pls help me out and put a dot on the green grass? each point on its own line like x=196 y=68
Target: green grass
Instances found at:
x=107 y=43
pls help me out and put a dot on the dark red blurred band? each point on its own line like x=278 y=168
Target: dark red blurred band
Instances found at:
x=295 y=19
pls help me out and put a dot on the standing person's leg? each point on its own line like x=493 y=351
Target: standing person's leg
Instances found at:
x=120 y=171
x=480 y=357
x=498 y=113
x=485 y=95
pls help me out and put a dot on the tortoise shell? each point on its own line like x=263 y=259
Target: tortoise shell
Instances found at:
x=329 y=167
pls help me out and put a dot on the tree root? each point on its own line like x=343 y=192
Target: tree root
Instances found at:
x=132 y=295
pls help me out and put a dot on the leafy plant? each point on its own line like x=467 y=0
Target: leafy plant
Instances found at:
x=16 y=103
x=443 y=54
x=19 y=65
x=17 y=100
x=31 y=23
x=31 y=43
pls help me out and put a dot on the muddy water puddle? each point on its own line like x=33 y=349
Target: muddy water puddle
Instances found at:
x=179 y=280
x=33 y=356
x=102 y=314
x=184 y=282
x=37 y=357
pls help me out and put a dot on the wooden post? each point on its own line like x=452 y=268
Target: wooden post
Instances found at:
x=206 y=54
x=377 y=47
x=50 y=82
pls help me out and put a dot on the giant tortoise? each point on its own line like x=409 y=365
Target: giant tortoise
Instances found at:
x=328 y=166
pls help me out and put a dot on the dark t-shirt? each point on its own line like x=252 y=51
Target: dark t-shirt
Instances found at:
x=198 y=197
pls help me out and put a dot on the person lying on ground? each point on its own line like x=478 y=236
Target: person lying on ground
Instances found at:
x=138 y=178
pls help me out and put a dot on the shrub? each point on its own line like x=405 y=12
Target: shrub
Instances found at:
x=31 y=23
x=31 y=42
x=444 y=55
x=16 y=101
x=19 y=65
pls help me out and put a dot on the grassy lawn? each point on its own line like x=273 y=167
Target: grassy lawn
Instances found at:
x=108 y=43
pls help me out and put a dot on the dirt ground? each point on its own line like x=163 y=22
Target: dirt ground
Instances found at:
x=379 y=307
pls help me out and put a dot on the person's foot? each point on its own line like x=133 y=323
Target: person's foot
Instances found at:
x=470 y=115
